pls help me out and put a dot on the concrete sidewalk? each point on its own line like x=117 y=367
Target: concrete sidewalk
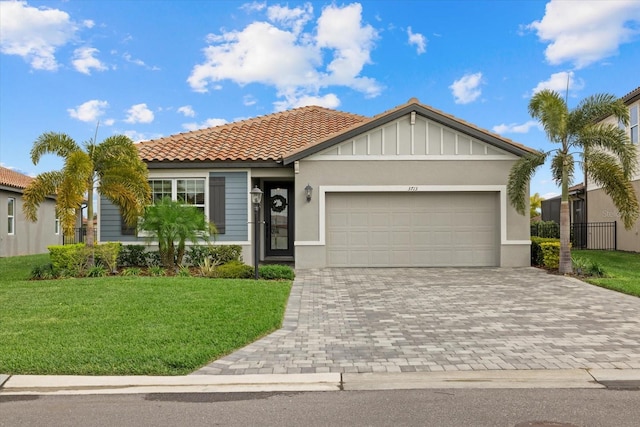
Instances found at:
x=75 y=385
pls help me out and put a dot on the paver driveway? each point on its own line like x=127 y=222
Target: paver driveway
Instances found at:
x=406 y=320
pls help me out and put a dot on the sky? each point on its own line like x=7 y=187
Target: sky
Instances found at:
x=151 y=68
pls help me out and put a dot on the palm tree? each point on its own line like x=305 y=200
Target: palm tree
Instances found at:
x=111 y=167
x=535 y=203
x=171 y=224
x=607 y=156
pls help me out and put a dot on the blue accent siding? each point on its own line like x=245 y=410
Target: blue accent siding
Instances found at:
x=110 y=227
x=237 y=198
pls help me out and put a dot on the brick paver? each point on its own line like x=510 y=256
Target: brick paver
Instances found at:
x=438 y=319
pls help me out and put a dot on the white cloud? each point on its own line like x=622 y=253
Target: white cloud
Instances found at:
x=282 y=55
x=206 y=124
x=588 y=31
x=515 y=128
x=108 y=122
x=249 y=100
x=295 y=19
x=255 y=6
x=88 y=23
x=84 y=60
x=328 y=101
x=418 y=40
x=127 y=57
x=467 y=88
x=187 y=111
x=558 y=83
x=137 y=137
x=90 y=111
x=139 y=113
x=34 y=33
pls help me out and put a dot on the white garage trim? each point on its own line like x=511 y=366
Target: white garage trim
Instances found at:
x=324 y=189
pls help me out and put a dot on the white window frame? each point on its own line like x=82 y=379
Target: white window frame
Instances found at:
x=11 y=216
x=634 y=124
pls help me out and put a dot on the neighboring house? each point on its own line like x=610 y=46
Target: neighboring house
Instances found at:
x=410 y=187
x=19 y=236
x=600 y=208
x=577 y=213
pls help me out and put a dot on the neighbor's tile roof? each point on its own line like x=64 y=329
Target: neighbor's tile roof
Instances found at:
x=267 y=137
x=11 y=178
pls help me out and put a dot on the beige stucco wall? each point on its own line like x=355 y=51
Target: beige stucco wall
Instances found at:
x=29 y=237
x=600 y=208
x=466 y=174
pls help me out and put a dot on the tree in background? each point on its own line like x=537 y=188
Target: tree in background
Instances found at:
x=112 y=168
x=608 y=156
x=535 y=205
x=171 y=224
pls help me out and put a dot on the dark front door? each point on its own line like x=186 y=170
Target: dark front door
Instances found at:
x=279 y=219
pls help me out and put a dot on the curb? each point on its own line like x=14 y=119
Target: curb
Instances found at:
x=619 y=379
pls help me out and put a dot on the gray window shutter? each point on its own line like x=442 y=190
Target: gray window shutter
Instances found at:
x=217 y=202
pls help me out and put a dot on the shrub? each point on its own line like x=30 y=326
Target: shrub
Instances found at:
x=97 y=271
x=42 y=272
x=536 y=251
x=152 y=259
x=184 y=271
x=545 y=229
x=234 y=270
x=587 y=267
x=107 y=255
x=131 y=271
x=550 y=254
x=221 y=254
x=132 y=256
x=73 y=259
x=208 y=268
x=157 y=271
x=272 y=272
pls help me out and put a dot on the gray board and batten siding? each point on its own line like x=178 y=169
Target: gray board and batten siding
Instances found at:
x=234 y=226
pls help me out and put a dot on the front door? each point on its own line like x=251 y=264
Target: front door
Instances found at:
x=279 y=219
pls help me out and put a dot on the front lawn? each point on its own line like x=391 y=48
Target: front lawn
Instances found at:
x=128 y=325
x=621 y=268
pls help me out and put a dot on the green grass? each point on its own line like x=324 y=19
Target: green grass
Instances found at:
x=128 y=325
x=622 y=270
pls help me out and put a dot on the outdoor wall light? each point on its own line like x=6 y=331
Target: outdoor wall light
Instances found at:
x=308 y=190
x=256 y=195
x=256 y=198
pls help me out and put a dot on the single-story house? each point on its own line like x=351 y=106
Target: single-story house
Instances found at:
x=600 y=208
x=19 y=236
x=410 y=187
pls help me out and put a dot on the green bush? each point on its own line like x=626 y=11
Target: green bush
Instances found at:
x=152 y=259
x=536 y=251
x=545 y=229
x=131 y=271
x=157 y=271
x=550 y=254
x=42 y=272
x=132 y=256
x=274 y=272
x=107 y=255
x=97 y=271
x=234 y=270
x=587 y=267
x=72 y=259
x=184 y=271
x=221 y=254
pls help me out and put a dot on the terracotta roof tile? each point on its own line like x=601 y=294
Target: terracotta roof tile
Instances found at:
x=268 y=137
x=11 y=178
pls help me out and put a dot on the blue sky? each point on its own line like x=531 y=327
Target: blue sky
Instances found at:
x=151 y=68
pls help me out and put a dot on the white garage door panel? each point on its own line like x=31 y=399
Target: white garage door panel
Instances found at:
x=412 y=229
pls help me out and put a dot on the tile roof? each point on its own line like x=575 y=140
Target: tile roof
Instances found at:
x=11 y=178
x=275 y=136
x=263 y=138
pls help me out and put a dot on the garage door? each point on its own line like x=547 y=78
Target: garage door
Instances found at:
x=412 y=229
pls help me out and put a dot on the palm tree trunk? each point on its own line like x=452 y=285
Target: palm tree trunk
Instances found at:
x=565 y=266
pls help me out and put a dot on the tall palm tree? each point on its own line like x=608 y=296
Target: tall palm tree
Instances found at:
x=608 y=157
x=111 y=167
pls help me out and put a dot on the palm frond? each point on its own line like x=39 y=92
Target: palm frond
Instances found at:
x=519 y=178
x=549 y=107
x=45 y=184
x=605 y=171
x=562 y=163
x=59 y=144
x=611 y=138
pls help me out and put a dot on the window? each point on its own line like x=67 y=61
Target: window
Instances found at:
x=186 y=191
x=633 y=123
x=57 y=226
x=11 y=216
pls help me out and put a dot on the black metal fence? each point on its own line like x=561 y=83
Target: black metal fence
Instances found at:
x=584 y=235
x=79 y=236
